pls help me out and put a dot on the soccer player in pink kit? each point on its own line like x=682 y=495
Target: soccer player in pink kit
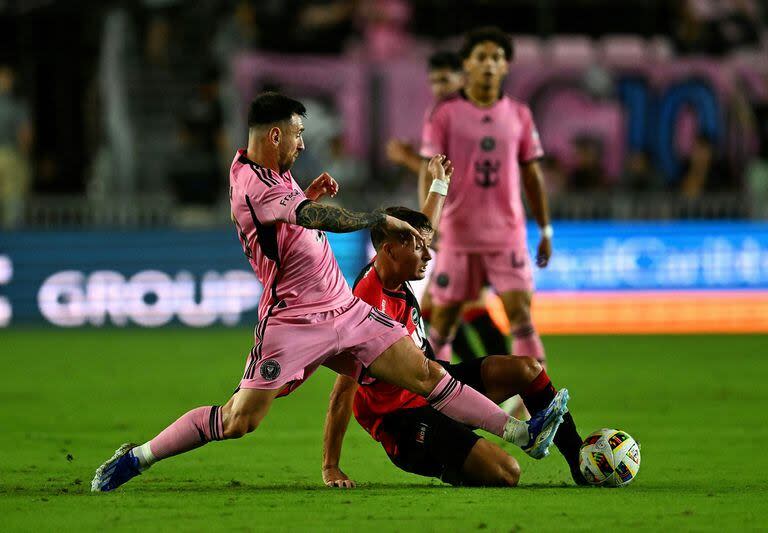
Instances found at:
x=494 y=146
x=308 y=315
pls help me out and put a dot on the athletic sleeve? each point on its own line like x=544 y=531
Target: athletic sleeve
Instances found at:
x=530 y=143
x=434 y=135
x=272 y=199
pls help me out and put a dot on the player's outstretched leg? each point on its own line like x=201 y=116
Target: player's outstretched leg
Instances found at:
x=567 y=439
x=404 y=365
x=504 y=376
x=241 y=415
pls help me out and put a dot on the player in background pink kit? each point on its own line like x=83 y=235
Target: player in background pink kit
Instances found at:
x=446 y=79
x=494 y=146
x=308 y=315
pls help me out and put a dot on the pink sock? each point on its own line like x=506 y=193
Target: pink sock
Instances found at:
x=464 y=404
x=527 y=342
x=440 y=345
x=194 y=428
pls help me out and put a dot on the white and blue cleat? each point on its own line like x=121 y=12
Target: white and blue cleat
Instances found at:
x=119 y=469
x=543 y=426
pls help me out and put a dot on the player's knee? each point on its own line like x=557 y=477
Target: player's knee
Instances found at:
x=530 y=367
x=509 y=472
x=238 y=425
x=428 y=376
x=519 y=313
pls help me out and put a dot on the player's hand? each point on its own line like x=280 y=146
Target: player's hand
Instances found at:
x=323 y=185
x=334 y=477
x=396 y=226
x=544 y=252
x=440 y=168
x=399 y=151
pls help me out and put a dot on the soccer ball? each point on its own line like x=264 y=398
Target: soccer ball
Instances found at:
x=610 y=458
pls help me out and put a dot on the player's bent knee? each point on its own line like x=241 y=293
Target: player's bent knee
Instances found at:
x=509 y=472
x=430 y=376
x=531 y=368
x=520 y=314
x=426 y=378
x=238 y=425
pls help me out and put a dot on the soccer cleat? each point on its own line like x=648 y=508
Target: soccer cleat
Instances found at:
x=542 y=427
x=120 y=468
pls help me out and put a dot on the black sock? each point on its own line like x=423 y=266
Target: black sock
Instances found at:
x=568 y=441
x=567 y=438
x=461 y=346
x=494 y=342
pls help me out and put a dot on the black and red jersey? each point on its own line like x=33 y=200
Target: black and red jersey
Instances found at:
x=375 y=399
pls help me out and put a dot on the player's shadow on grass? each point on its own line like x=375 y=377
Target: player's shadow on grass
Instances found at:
x=188 y=486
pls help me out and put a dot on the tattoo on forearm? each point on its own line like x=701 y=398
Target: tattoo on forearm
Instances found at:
x=335 y=219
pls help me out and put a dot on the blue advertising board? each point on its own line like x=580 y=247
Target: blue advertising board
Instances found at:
x=200 y=278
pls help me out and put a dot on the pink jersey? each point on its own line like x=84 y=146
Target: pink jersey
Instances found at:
x=484 y=210
x=295 y=265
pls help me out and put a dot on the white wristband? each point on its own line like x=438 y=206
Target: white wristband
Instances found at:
x=547 y=231
x=439 y=187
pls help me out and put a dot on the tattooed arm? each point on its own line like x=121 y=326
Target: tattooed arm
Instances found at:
x=313 y=215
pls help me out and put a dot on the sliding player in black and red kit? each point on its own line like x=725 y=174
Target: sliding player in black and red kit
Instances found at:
x=416 y=437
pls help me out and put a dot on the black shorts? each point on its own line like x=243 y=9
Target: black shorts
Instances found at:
x=429 y=443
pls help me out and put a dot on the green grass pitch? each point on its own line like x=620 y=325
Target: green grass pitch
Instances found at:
x=69 y=398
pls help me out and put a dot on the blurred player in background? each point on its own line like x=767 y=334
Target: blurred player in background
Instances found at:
x=415 y=436
x=494 y=145
x=308 y=315
x=446 y=79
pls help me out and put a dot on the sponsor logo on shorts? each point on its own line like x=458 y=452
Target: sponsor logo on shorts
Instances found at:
x=270 y=370
x=421 y=433
x=442 y=280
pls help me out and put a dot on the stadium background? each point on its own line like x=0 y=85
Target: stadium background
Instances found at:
x=118 y=121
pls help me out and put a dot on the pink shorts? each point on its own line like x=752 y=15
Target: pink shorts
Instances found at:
x=459 y=276
x=288 y=350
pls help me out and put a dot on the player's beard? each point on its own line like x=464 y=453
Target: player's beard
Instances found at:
x=287 y=163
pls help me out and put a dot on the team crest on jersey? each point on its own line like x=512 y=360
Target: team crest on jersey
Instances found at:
x=487 y=144
x=415 y=316
x=270 y=370
x=442 y=280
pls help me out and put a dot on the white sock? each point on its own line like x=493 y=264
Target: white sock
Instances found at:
x=516 y=432
x=144 y=454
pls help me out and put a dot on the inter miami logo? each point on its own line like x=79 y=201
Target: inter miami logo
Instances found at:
x=487 y=173
x=487 y=144
x=442 y=280
x=270 y=370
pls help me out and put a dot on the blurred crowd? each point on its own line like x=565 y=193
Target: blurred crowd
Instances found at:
x=169 y=59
